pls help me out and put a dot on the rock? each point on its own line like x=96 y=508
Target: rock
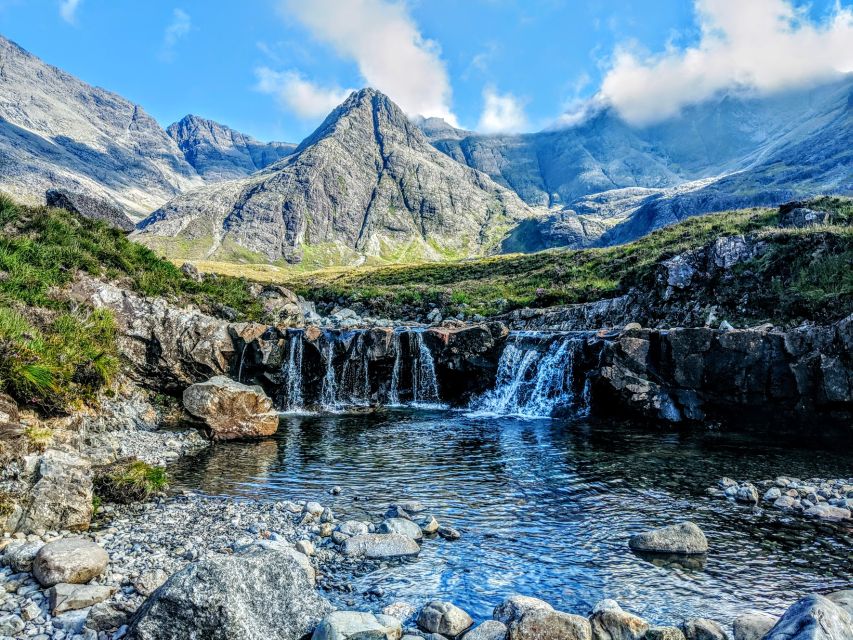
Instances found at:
x=69 y=597
x=20 y=555
x=89 y=207
x=444 y=618
x=704 y=629
x=375 y=546
x=191 y=272
x=684 y=538
x=539 y=624
x=281 y=307
x=448 y=533
x=827 y=512
x=150 y=581
x=799 y=217
x=843 y=599
x=342 y=625
x=105 y=617
x=785 y=502
x=353 y=528
x=515 y=606
x=231 y=409
x=747 y=493
x=230 y=597
x=71 y=622
x=402 y=526
x=305 y=546
x=752 y=626
x=30 y=611
x=612 y=623
x=489 y=630
x=72 y=560
x=61 y=497
x=11 y=625
x=428 y=524
x=664 y=633
x=772 y=494
x=813 y=618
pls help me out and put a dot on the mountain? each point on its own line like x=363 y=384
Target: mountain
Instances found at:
x=613 y=182
x=366 y=185
x=57 y=131
x=218 y=152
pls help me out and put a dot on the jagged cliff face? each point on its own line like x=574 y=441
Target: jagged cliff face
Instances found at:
x=57 y=131
x=365 y=185
x=218 y=152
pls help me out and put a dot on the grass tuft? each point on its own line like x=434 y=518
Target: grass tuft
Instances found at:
x=132 y=481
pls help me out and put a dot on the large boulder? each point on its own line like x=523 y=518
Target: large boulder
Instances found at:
x=61 y=497
x=355 y=625
x=402 y=526
x=489 y=630
x=843 y=599
x=753 y=626
x=515 y=606
x=70 y=560
x=89 y=207
x=685 y=538
x=167 y=346
x=231 y=409
x=444 y=618
x=704 y=629
x=255 y=595
x=540 y=624
x=378 y=546
x=612 y=623
x=281 y=307
x=813 y=618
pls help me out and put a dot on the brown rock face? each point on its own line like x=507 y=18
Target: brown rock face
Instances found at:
x=230 y=409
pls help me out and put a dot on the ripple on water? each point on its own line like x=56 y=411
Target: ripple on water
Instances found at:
x=546 y=508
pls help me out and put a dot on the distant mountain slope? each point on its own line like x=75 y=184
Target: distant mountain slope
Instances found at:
x=57 y=131
x=218 y=152
x=620 y=182
x=365 y=185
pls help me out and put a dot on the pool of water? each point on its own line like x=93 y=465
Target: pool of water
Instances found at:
x=546 y=508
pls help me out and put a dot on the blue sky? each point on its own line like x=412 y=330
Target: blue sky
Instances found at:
x=273 y=68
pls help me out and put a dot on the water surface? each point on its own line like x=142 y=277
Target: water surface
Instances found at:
x=546 y=508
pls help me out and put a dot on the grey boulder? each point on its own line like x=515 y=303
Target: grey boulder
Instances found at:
x=70 y=597
x=704 y=629
x=70 y=560
x=376 y=546
x=444 y=618
x=515 y=606
x=489 y=630
x=612 y=623
x=686 y=538
x=539 y=624
x=752 y=626
x=355 y=625
x=231 y=409
x=256 y=595
x=402 y=526
x=813 y=618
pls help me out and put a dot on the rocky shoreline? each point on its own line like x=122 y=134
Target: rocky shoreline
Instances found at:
x=818 y=498
x=126 y=576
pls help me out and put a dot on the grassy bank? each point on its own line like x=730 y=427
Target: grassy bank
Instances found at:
x=807 y=273
x=53 y=353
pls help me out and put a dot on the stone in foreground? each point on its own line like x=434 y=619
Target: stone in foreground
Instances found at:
x=375 y=546
x=612 y=623
x=444 y=618
x=70 y=597
x=71 y=560
x=257 y=595
x=230 y=409
x=515 y=606
x=704 y=629
x=343 y=625
x=813 y=618
x=489 y=630
x=685 y=538
x=539 y=624
x=753 y=626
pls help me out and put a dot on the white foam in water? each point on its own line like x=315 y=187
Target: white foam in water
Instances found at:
x=292 y=374
x=531 y=383
x=329 y=392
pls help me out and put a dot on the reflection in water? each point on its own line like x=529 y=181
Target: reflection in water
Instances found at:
x=546 y=508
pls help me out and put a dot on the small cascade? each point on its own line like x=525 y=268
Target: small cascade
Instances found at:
x=291 y=373
x=329 y=392
x=394 y=392
x=354 y=387
x=533 y=379
x=424 y=380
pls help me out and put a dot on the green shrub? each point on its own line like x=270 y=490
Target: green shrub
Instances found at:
x=129 y=481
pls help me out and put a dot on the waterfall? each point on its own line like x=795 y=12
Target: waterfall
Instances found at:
x=424 y=381
x=394 y=393
x=329 y=392
x=355 y=378
x=532 y=380
x=292 y=373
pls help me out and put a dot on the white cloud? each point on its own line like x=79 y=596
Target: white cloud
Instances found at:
x=502 y=113
x=384 y=41
x=759 y=45
x=68 y=10
x=294 y=93
x=178 y=28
